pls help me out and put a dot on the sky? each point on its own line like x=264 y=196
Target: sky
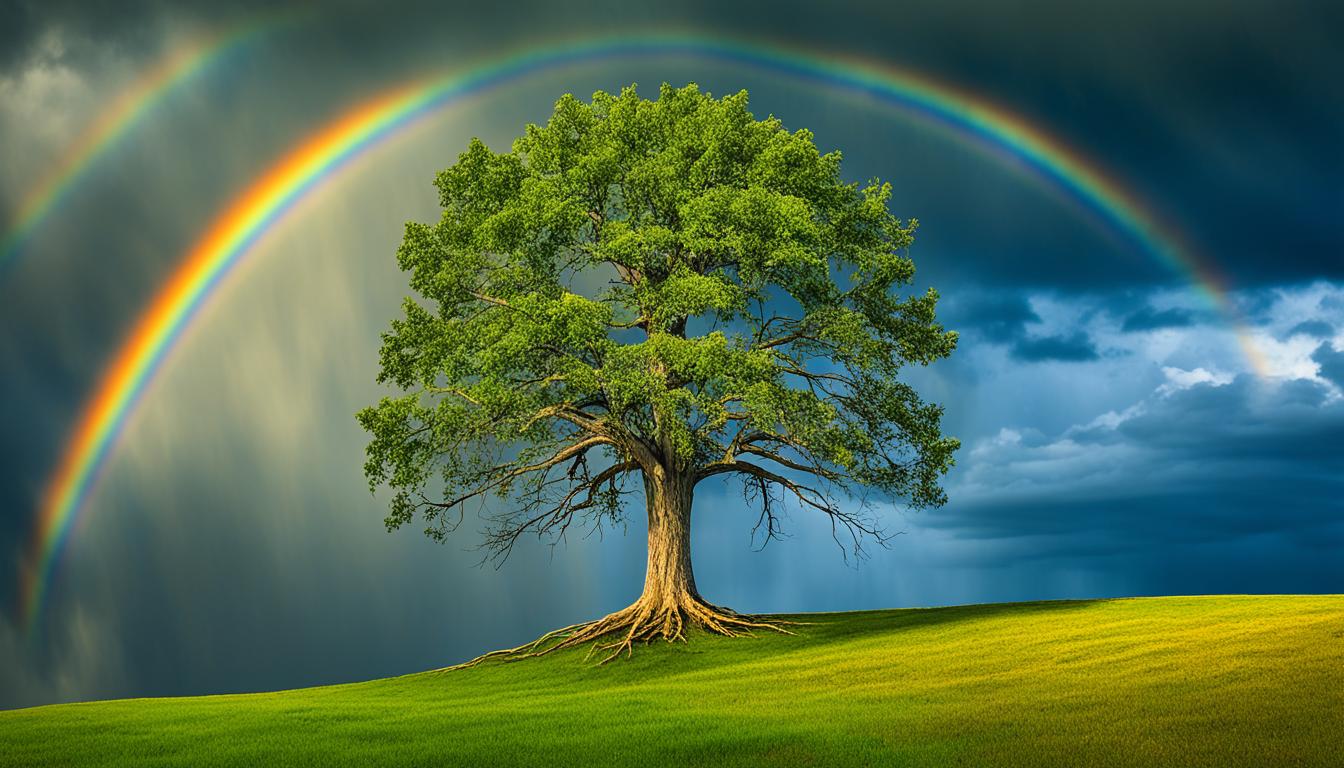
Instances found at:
x=1130 y=425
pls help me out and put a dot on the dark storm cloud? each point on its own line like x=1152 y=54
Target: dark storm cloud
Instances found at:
x=1331 y=363
x=1288 y=422
x=1001 y=317
x=1317 y=329
x=996 y=317
x=1211 y=113
x=1216 y=462
x=1182 y=124
x=1074 y=348
x=1256 y=306
x=1149 y=319
x=1159 y=522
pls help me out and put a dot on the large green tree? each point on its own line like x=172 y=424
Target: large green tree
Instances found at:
x=640 y=297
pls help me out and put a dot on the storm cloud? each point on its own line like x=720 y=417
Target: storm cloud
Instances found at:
x=1072 y=348
x=1317 y=329
x=1331 y=362
x=1220 y=464
x=1149 y=319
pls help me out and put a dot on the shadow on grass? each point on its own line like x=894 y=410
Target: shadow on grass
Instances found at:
x=837 y=626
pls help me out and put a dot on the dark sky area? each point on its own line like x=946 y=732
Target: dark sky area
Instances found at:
x=1117 y=440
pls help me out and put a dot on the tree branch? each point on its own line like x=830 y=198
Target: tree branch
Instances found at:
x=856 y=526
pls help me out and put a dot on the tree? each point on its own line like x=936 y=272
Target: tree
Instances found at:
x=640 y=297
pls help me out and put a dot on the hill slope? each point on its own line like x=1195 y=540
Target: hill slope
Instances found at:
x=1217 y=681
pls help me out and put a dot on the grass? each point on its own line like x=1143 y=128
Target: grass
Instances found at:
x=1211 y=681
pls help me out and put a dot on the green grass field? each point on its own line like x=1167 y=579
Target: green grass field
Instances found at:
x=1216 y=681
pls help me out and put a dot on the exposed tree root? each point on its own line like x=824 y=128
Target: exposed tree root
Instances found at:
x=642 y=622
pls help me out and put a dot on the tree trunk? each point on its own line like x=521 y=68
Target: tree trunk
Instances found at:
x=669 y=581
x=670 y=602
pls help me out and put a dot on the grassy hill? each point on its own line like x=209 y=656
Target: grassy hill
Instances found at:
x=1216 y=681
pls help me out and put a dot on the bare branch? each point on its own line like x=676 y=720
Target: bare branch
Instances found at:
x=554 y=515
x=812 y=466
x=502 y=473
x=852 y=523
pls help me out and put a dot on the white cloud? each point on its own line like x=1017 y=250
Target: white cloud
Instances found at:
x=1178 y=378
x=1112 y=419
x=42 y=109
x=1288 y=358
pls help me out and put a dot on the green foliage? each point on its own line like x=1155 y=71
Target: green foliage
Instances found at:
x=658 y=286
x=1179 y=681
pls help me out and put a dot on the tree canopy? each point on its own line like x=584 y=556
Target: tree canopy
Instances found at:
x=662 y=290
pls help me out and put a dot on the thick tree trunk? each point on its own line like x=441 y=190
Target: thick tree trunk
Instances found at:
x=669 y=581
x=669 y=603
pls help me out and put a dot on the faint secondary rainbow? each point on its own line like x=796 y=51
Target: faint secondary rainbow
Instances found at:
x=319 y=158
x=125 y=111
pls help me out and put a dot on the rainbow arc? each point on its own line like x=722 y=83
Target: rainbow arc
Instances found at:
x=318 y=160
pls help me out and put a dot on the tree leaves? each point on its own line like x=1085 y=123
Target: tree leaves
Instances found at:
x=640 y=286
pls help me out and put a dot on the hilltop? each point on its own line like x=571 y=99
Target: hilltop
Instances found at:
x=1216 y=681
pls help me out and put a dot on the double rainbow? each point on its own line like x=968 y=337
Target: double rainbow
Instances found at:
x=319 y=158
x=131 y=105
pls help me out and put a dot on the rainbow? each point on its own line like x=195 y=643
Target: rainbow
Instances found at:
x=319 y=158
x=125 y=111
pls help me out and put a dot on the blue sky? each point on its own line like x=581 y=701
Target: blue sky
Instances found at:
x=1115 y=439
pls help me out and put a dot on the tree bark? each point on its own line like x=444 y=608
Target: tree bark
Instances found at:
x=669 y=580
x=669 y=603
